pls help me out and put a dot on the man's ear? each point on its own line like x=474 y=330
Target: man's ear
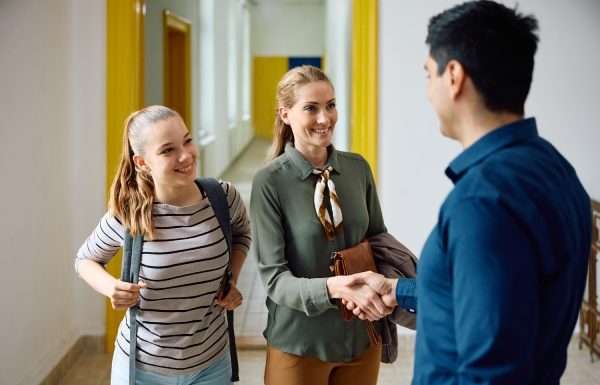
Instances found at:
x=283 y=114
x=456 y=78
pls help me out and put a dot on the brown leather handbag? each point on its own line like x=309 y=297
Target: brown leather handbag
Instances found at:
x=355 y=259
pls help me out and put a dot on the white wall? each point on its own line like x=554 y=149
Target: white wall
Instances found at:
x=413 y=154
x=215 y=155
x=338 y=45
x=292 y=28
x=52 y=169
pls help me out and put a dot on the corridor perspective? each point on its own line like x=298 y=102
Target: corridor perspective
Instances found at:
x=251 y=317
x=72 y=71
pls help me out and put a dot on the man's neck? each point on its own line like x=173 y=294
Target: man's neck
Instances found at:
x=473 y=127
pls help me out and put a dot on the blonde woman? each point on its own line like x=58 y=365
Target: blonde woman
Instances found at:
x=308 y=201
x=182 y=332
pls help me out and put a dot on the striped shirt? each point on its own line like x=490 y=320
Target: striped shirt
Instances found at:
x=180 y=328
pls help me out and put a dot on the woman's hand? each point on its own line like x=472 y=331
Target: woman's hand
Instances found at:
x=124 y=294
x=232 y=300
x=355 y=291
x=385 y=287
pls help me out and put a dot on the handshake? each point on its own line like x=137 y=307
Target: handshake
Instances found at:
x=370 y=296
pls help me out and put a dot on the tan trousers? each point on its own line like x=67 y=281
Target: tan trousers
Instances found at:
x=288 y=369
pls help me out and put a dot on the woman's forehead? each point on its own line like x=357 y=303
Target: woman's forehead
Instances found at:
x=317 y=91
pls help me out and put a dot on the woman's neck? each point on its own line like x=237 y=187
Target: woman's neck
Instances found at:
x=186 y=195
x=316 y=155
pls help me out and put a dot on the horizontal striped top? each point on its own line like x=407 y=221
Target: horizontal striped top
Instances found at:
x=180 y=328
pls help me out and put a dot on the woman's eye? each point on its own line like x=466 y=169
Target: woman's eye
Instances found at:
x=188 y=141
x=310 y=108
x=166 y=151
x=331 y=106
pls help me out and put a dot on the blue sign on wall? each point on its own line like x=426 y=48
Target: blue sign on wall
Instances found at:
x=304 y=60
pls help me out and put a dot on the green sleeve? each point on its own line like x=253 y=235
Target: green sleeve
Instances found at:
x=376 y=224
x=308 y=295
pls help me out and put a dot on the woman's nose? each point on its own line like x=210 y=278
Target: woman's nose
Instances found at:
x=323 y=117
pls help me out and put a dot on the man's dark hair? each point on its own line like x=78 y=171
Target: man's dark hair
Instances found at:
x=495 y=45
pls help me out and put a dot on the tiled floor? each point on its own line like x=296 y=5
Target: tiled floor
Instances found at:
x=252 y=314
x=94 y=369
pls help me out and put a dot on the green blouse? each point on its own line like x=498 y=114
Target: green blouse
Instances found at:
x=293 y=252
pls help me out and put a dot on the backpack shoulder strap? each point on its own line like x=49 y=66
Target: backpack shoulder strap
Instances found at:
x=132 y=256
x=218 y=200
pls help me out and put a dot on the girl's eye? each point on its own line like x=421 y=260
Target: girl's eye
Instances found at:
x=188 y=141
x=331 y=106
x=309 y=108
x=166 y=151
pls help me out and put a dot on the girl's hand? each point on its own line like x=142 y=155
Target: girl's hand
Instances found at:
x=125 y=295
x=232 y=300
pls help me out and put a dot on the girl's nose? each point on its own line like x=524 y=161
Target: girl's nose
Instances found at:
x=185 y=155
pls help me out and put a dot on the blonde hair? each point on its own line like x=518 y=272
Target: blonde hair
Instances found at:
x=286 y=97
x=132 y=190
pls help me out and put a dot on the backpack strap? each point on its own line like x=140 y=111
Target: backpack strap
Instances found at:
x=132 y=257
x=218 y=200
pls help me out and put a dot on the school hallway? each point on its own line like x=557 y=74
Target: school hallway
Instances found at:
x=72 y=71
x=92 y=367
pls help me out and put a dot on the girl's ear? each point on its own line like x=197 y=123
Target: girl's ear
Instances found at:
x=140 y=163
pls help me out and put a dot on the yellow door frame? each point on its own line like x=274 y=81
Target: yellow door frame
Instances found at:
x=363 y=119
x=267 y=71
x=124 y=94
x=172 y=22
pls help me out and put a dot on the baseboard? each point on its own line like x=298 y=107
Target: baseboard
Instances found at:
x=406 y=342
x=250 y=342
x=84 y=344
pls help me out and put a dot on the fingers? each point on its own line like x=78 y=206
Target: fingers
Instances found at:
x=390 y=299
x=368 y=301
x=125 y=294
x=232 y=300
x=365 y=302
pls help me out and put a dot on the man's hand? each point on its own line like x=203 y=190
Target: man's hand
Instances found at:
x=385 y=287
x=351 y=289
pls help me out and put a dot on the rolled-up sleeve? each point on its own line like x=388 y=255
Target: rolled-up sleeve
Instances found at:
x=308 y=295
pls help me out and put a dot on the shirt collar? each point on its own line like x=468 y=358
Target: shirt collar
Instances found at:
x=304 y=167
x=498 y=138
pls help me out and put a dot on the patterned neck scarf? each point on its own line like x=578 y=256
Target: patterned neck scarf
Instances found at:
x=330 y=225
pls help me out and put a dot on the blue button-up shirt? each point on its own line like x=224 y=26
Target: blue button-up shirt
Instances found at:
x=501 y=277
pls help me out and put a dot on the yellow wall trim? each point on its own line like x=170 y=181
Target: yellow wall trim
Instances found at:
x=177 y=74
x=124 y=94
x=267 y=73
x=363 y=120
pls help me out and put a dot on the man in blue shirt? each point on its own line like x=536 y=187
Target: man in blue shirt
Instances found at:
x=501 y=277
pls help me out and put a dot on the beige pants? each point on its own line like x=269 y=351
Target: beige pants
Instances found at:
x=288 y=369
